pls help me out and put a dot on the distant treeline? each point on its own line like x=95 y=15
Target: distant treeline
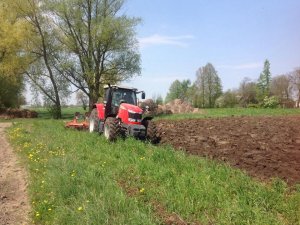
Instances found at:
x=267 y=91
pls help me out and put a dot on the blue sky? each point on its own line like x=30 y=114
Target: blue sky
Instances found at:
x=236 y=36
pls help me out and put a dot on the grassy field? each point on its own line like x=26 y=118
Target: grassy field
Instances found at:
x=207 y=113
x=67 y=112
x=80 y=178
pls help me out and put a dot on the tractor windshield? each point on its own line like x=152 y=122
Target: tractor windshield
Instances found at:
x=123 y=96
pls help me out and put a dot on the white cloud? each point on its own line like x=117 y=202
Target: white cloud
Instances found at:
x=156 y=39
x=242 y=66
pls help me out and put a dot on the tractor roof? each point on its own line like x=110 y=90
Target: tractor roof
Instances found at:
x=121 y=87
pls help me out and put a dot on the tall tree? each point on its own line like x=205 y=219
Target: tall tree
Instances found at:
x=99 y=43
x=264 y=81
x=208 y=85
x=178 y=90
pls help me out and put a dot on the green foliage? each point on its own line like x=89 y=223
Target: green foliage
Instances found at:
x=14 y=34
x=80 y=178
x=178 y=90
x=208 y=86
x=270 y=102
x=11 y=92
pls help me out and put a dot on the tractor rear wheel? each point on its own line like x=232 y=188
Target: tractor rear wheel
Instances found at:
x=111 y=129
x=151 y=133
x=93 y=121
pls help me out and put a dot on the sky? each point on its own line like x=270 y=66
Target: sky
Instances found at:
x=178 y=37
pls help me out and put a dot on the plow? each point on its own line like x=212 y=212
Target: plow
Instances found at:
x=80 y=122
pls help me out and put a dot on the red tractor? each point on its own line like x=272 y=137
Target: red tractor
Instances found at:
x=119 y=116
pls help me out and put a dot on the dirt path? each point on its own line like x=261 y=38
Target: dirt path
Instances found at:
x=14 y=206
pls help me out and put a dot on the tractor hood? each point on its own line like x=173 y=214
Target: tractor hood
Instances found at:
x=131 y=108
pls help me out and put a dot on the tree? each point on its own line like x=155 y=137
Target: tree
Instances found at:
x=82 y=99
x=14 y=33
x=178 y=90
x=99 y=43
x=264 y=81
x=295 y=82
x=208 y=86
x=281 y=87
x=227 y=99
x=247 y=92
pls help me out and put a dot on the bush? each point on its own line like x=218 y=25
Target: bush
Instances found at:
x=270 y=102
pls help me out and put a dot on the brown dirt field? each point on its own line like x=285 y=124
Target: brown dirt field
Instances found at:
x=265 y=147
x=14 y=206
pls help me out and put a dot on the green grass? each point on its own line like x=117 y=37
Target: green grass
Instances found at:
x=207 y=113
x=80 y=178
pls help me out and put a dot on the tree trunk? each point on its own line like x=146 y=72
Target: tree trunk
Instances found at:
x=56 y=113
x=93 y=98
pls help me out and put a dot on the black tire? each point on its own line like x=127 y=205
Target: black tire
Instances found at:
x=94 y=121
x=111 y=129
x=151 y=133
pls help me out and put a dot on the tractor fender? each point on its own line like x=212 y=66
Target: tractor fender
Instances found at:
x=100 y=109
x=146 y=118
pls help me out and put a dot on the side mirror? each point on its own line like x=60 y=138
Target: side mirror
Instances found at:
x=143 y=95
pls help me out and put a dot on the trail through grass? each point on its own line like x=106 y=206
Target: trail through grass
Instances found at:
x=80 y=178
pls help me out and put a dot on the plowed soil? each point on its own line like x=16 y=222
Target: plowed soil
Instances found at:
x=265 y=147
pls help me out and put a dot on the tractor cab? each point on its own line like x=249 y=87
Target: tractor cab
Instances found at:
x=116 y=95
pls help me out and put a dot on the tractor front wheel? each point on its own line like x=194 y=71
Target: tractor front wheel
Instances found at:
x=111 y=129
x=93 y=121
